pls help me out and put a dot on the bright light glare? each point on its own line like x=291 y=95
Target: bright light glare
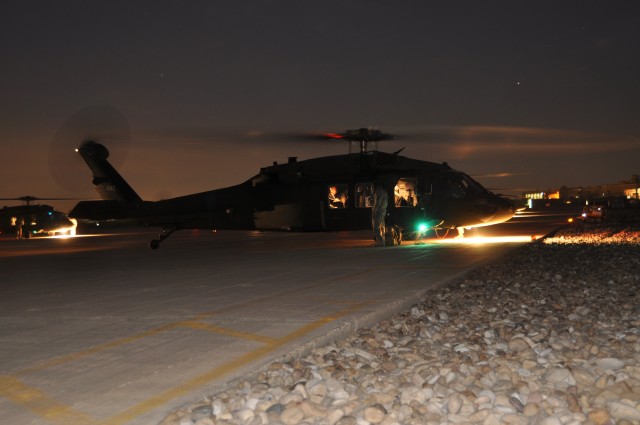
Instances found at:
x=483 y=240
x=66 y=232
x=61 y=236
x=67 y=236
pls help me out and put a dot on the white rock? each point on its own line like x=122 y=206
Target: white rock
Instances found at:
x=218 y=407
x=524 y=372
x=583 y=376
x=626 y=411
x=443 y=316
x=485 y=396
x=551 y=420
x=493 y=419
x=559 y=375
x=243 y=414
x=461 y=348
x=339 y=394
x=300 y=388
x=364 y=354
x=292 y=416
x=410 y=394
x=479 y=416
x=416 y=313
x=252 y=403
x=610 y=363
x=292 y=397
x=204 y=421
x=317 y=390
x=312 y=410
x=374 y=414
x=454 y=404
x=335 y=416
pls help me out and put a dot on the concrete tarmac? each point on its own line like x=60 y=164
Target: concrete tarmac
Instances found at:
x=103 y=330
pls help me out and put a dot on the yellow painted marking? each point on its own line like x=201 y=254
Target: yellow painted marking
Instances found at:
x=133 y=338
x=96 y=349
x=37 y=402
x=224 y=331
x=57 y=413
x=198 y=381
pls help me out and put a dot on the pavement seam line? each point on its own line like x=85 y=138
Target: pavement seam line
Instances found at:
x=271 y=344
x=126 y=340
x=198 y=381
x=96 y=349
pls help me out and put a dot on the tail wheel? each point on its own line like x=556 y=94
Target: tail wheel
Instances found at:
x=393 y=236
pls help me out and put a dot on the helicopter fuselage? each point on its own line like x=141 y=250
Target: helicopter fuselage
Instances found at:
x=34 y=220
x=327 y=193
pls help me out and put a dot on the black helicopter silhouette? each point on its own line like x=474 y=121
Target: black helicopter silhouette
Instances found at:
x=327 y=193
x=25 y=221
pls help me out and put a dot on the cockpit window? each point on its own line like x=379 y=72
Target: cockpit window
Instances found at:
x=405 y=193
x=474 y=185
x=457 y=186
x=364 y=195
x=338 y=196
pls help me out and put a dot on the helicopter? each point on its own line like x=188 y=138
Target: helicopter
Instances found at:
x=29 y=220
x=320 y=194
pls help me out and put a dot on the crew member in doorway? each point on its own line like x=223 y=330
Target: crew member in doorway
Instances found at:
x=378 y=213
x=334 y=202
x=19 y=227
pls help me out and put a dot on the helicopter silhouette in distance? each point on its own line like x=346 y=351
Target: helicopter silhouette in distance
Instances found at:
x=25 y=221
x=319 y=194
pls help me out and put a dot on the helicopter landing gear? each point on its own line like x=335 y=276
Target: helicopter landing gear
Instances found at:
x=393 y=236
x=155 y=243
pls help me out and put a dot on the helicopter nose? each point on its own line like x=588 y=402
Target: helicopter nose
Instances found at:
x=484 y=210
x=506 y=209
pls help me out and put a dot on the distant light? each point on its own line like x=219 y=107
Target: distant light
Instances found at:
x=77 y=150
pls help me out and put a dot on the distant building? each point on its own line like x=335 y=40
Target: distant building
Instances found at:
x=623 y=193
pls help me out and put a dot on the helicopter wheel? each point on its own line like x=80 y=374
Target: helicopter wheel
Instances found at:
x=155 y=243
x=393 y=236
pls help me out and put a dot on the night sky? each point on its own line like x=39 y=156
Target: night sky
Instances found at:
x=540 y=93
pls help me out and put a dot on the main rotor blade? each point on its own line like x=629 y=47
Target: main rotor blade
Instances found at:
x=100 y=123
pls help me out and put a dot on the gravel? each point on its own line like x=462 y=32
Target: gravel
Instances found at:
x=548 y=335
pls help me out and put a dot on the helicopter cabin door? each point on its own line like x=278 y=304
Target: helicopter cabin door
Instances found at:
x=347 y=206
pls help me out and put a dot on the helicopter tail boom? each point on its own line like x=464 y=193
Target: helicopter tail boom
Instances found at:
x=109 y=183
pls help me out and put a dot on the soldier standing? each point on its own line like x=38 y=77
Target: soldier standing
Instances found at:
x=19 y=227
x=378 y=213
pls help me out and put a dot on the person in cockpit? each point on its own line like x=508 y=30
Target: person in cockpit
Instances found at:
x=333 y=200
